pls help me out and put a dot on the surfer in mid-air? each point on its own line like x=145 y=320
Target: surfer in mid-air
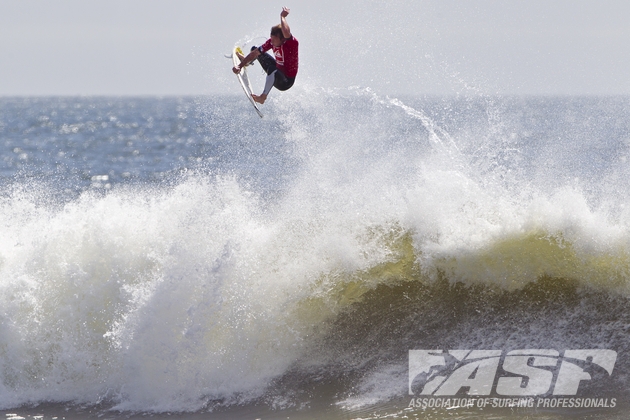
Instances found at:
x=282 y=69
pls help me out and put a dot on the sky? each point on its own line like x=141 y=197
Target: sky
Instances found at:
x=432 y=47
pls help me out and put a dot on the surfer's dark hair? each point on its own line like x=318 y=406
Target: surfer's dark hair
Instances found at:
x=277 y=31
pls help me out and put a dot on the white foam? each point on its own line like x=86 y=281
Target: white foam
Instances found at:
x=164 y=298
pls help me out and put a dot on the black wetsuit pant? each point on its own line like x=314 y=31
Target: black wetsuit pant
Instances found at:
x=268 y=63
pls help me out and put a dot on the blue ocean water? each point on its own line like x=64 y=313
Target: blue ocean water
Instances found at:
x=85 y=143
x=183 y=255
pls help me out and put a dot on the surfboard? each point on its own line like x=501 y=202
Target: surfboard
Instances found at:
x=244 y=80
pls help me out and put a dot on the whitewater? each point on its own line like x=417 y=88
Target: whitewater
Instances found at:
x=182 y=256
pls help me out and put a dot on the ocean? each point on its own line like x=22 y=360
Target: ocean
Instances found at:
x=351 y=255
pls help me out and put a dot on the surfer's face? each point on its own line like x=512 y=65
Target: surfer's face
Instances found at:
x=276 y=41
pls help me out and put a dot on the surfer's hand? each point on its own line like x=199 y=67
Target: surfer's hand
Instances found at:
x=285 y=12
x=236 y=69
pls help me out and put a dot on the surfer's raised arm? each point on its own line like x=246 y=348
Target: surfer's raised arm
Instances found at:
x=286 y=31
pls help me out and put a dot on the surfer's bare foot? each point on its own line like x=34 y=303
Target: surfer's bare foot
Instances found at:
x=259 y=99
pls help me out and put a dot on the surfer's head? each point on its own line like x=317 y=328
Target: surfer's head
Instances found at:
x=277 y=38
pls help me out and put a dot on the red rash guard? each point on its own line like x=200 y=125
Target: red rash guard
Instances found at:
x=286 y=56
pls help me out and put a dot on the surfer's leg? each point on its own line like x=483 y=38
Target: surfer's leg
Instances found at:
x=277 y=79
x=269 y=82
x=282 y=82
x=267 y=62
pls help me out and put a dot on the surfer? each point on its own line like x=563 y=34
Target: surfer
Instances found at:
x=282 y=69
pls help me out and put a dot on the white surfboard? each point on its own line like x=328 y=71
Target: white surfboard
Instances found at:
x=244 y=80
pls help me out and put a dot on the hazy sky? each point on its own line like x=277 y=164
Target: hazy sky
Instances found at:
x=160 y=47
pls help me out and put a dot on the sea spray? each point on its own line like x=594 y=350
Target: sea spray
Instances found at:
x=227 y=265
